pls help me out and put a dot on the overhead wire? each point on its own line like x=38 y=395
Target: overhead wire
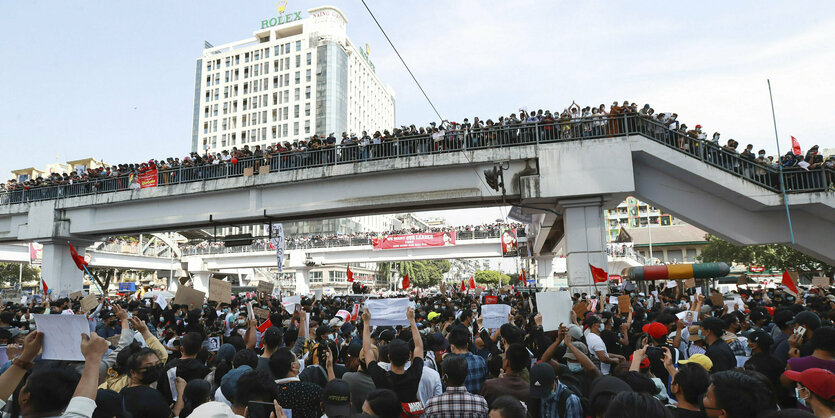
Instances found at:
x=501 y=209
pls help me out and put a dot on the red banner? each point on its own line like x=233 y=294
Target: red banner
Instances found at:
x=428 y=239
x=509 y=246
x=148 y=179
x=491 y=300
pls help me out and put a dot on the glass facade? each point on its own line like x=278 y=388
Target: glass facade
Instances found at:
x=331 y=89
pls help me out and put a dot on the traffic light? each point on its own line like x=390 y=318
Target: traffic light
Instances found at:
x=492 y=177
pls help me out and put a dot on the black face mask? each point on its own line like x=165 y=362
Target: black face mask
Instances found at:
x=151 y=375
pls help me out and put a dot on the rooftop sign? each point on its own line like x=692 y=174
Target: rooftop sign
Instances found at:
x=281 y=18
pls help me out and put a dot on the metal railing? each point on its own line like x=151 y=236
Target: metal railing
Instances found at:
x=796 y=179
x=314 y=243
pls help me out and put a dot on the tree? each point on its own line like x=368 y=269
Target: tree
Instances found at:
x=10 y=273
x=774 y=256
x=425 y=273
x=487 y=277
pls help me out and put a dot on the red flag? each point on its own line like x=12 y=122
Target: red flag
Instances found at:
x=796 y=147
x=406 y=282
x=472 y=282
x=79 y=260
x=523 y=277
x=599 y=275
x=263 y=327
x=350 y=275
x=355 y=312
x=45 y=289
x=788 y=282
x=463 y=286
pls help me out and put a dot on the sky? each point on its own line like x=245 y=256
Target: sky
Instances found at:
x=115 y=80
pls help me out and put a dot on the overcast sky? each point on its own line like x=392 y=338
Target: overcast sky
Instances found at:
x=115 y=80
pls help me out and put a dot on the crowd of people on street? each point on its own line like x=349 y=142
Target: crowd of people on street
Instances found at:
x=653 y=351
x=517 y=128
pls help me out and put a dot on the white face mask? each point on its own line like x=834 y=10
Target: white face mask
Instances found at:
x=800 y=400
x=575 y=367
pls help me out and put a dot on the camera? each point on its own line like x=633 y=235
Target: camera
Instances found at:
x=655 y=353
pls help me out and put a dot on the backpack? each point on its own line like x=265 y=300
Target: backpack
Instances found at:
x=562 y=401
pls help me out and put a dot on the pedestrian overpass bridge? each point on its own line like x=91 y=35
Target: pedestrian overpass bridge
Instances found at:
x=554 y=172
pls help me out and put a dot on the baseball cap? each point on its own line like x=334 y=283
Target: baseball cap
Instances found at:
x=578 y=345
x=575 y=331
x=655 y=330
x=354 y=349
x=761 y=338
x=700 y=359
x=337 y=399
x=432 y=315
x=819 y=381
x=644 y=362
x=808 y=319
x=783 y=317
x=229 y=381
x=608 y=384
x=542 y=380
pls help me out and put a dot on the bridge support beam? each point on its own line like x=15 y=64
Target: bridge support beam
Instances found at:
x=544 y=270
x=200 y=280
x=585 y=241
x=58 y=269
x=302 y=280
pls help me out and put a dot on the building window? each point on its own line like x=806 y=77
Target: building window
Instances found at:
x=307 y=75
x=307 y=92
x=298 y=61
x=298 y=46
x=296 y=111
x=307 y=110
x=309 y=58
x=298 y=77
x=307 y=126
x=298 y=94
x=295 y=128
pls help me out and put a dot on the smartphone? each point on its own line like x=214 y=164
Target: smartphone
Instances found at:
x=799 y=331
x=257 y=409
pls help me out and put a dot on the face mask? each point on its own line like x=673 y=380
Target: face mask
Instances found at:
x=241 y=321
x=151 y=374
x=799 y=399
x=575 y=367
x=332 y=337
x=226 y=310
x=700 y=334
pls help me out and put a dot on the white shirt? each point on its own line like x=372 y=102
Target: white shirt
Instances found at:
x=596 y=344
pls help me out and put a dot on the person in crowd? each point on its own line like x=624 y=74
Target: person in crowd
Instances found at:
x=507 y=407
x=735 y=395
x=690 y=383
x=303 y=398
x=712 y=329
x=550 y=397
x=459 y=340
x=336 y=399
x=516 y=359
x=457 y=401
x=382 y=403
x=815 y=390
x=597 y=347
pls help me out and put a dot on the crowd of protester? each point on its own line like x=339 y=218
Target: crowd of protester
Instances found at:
x=301 y=241
x=526 y=126
x=769 y=353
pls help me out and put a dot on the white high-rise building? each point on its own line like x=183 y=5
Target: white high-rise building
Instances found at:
x=295 y=77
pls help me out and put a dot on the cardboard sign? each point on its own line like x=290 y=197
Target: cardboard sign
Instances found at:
x=261 y=314
x=741 y=280
x=820 y=282
x=689 y=283
x=220 y=291
x=249 y=171
x=580 y=309
x=114 y=340
x=89 y=303
x=624 y=303
x=264 y=169
x=717 y=299
x=189 y=297
x=265 y=287
x=76 y=295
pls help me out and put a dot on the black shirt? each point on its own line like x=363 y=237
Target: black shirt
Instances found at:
x=686 y=413
x=721 y=355
x=142 y=401
x=404 y=385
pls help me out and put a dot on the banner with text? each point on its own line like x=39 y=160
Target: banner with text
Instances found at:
x=148 y=179
x=428 y=239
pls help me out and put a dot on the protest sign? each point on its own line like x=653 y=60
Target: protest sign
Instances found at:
x=388 y=311
x=555 y=308
x=822 y=282
x=624 y=303
x=89 y=303
x=689 y=283
x=261 y=314
x=687 y=317
x=62 y=336
x=717 y=299
x=220 y=291
x=189 y=297
x=76 y=295
x=494 y=316
x=265 y=287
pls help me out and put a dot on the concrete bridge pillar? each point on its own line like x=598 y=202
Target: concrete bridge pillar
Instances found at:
x=200 y=280
x=58 y=269
x=302 y=280
x=544 y=270
x=585 y=241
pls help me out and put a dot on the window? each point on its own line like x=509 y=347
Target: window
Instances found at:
x=298 y=94
x=226 y=92
x=298 y=46
x=298 y=77
x=228 y=61
x=307 y=109
x=266 y=52
x=307 y=126
x=295 y=128
x=298 y=61
x=284 y=130
x=674 y=256
x=257 y=55
x=691 y=255
x=309 y=58
x=246 y=59
x=276 y=50
x=296 y=111
x=307 y=92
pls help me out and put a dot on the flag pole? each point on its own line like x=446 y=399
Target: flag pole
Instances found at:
x=780 y=164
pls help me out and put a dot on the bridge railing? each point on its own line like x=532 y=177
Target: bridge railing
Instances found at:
x=338 y=242
x=497 y=136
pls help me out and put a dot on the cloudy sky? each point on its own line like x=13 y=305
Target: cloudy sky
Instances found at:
x=115 y=80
